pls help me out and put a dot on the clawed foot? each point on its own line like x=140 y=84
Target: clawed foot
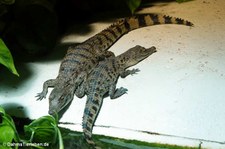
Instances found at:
x=48 y=83
x=122 y=90
x=40 y=96
x=129 y=72
x=119 y=92
x=134 y=71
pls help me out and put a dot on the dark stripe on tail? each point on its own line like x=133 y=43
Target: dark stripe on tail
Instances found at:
x=179 y=21
x=189 y=23
x=90 y=120
x=99 y=40
x=96 y=102
x=86 y=127
x=168 y=19
x=127 y=25
x=141 y=20
x=90 y=114
x=95 y=109
x=102 y=34
x=110 y=31
x=119 y=29
x=154 y=18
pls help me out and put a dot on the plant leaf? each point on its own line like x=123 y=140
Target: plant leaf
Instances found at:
x=6 y=133
x=7 y=124
x=6 y=58
x=2 y=111
x=133 y=4
x=42 y=130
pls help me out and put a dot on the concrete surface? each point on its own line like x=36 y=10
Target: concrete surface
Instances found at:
x=177 y=98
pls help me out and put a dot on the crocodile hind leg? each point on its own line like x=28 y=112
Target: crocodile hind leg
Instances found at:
x=80 y=91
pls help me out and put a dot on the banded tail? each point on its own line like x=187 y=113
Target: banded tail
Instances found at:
x=110 y=35
x=92 y=108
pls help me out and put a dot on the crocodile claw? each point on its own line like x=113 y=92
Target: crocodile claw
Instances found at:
x=40 y=96
x=134 y=71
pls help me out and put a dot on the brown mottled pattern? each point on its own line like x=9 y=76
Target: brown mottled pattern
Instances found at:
x=102 y=81
x=81 y=59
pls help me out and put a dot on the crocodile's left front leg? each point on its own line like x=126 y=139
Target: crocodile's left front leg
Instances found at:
x=46 y=85
x=128 y=72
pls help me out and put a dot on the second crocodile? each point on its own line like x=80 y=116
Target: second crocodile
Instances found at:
x=101 y=82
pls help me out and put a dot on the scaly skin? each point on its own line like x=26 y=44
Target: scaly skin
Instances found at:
x=102 y=81
x=80 y=59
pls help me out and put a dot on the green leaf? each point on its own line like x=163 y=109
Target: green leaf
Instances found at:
x=133 y=4
x=5 y=147
x=6 y=58
x=2 y=111
x=42 y=121
x=6 y=134
x=42 y=130
x=61 y=146
x=8 y=124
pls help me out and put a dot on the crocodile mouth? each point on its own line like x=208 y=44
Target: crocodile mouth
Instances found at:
x=58 y=104
x=145 y=52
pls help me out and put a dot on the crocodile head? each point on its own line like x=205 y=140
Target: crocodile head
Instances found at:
x=59 y=98
x=135 y=55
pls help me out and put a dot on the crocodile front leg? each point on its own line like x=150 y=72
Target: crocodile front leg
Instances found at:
x=128 y=72
x=46 y=85
x=116 y=92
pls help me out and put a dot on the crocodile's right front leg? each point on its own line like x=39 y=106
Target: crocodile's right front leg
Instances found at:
x=116 y=92
x=46 y=85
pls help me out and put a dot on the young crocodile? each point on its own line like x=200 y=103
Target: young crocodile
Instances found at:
x=102 y=82
x=80 y=59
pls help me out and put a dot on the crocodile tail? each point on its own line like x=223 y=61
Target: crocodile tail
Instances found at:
x=110 y=35
x=128 y=24
x=143 y=20
x=91 y=111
